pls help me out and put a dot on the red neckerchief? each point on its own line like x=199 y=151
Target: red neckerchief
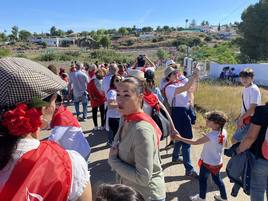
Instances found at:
x=221 y=138
x=213 y=169
x=43 y=172
x=151 y=99
x=170 y=83
x=141 y=116
x=91 y=73
x=63 y=117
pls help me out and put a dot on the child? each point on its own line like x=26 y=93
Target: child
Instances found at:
x=117 y=192
x=211 y=157
x=251 y=97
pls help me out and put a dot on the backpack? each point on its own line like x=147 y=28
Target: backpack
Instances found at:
x=161 y=121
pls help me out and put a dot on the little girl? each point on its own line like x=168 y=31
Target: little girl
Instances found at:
x=211 y=157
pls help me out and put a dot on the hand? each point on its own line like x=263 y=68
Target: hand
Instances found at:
x=48 y=112
x=240 y=123
x=113 y=152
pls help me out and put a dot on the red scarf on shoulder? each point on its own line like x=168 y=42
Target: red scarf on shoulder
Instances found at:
x=141 y=116
x=63 y=117
x=41 y=174
x=151 y=99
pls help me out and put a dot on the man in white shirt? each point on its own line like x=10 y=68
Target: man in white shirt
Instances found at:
x=79 y=81
x=251 y=97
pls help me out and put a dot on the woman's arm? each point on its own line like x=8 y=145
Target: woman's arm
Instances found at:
x=187 y=86
x=249 y=139
x=169 y=117
x=150 y=62
x=112 y=104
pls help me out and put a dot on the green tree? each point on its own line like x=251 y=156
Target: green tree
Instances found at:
x=105 y=41
x=254 y=31
x=24 y=35
x=14 y=33
x=166 y=28
x=53 y=31
x=162 y=54
x=3 y=37
x=147 y=29
x=70 y=31
x=123 y=31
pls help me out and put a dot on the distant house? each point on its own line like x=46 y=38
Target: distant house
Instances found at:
x=65 y=41
x=147 y=36
x=54 y=42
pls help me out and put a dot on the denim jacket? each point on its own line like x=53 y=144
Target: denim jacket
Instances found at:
x=239 y=170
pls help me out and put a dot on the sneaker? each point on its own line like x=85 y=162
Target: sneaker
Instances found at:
x=192 y=174
x=196 y=198
x=170 y=145
x=177 y=160
x=80 y=119
x=217 y=197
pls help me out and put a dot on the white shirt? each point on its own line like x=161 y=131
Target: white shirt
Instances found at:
x=71 y=138
x=177 y=100
x=106 y=83
x=80 y=173
x=251 y=95
x=213 y=150
x=112 y=113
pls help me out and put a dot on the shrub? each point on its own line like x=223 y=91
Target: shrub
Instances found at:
x=108 y=56
x=4 y=52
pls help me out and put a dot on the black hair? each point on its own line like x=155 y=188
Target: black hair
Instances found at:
x=140 y=61
x=247 y=72
x=8 y=144
x=117 y=192
x=112 y=82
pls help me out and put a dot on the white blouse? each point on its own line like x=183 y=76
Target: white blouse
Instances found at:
x=80 y=173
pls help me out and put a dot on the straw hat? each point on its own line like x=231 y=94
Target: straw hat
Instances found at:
x=21 y=80
x=137 y=74
x=169 y=70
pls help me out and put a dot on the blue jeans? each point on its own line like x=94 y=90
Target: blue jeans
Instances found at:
x=203 y=177
x=240 y=133
x=84 y=100
x=182 y=123
x=259 y=177
x=113 y=128
x=185 y=154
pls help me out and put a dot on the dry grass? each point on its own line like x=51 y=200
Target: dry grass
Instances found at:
x=212 y=95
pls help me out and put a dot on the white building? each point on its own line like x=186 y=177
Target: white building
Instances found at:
x=147 y=36
x=53 y=42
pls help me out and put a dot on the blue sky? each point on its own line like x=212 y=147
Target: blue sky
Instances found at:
x=79 y=15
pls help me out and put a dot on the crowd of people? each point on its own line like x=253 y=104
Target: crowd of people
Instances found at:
x=136 y=114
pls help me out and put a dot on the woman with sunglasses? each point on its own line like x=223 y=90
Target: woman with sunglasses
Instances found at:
x=113 y=115
x=178 y=98
x=135 y=152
